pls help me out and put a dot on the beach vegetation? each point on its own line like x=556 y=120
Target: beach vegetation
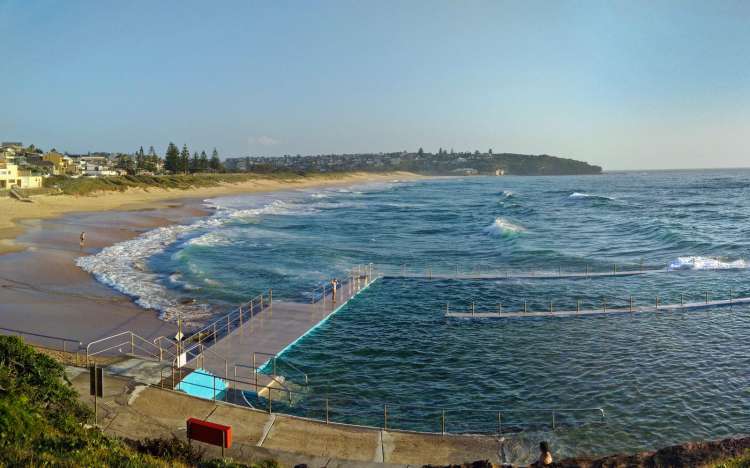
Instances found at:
x=43 y=423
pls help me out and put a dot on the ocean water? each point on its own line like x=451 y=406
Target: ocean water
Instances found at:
x=660 y=378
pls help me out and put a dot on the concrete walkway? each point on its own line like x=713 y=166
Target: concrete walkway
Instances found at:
x=136 y=411
x=273 y=330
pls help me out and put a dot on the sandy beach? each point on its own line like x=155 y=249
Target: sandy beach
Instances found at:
x=43 y=291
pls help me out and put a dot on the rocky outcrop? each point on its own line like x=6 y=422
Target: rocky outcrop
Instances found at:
x=688 y=455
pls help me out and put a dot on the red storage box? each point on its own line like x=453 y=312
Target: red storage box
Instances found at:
x=210 y=433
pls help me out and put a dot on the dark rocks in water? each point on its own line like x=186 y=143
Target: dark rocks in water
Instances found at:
x=187 y=301
x=690 y=454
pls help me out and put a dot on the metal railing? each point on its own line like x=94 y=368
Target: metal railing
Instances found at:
x=70 y=348
x=357 y=278
x=605 y=303
x=391 y=417
x=128 y=343
x=223 y=326
x=272 y=360
x=478 y=271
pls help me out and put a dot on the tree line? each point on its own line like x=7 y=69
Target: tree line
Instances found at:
x=175 y=161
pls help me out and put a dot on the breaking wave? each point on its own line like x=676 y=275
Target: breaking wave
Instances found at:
x=706 y=263
x=503 y=228
x=582 y=195
x=124 y=266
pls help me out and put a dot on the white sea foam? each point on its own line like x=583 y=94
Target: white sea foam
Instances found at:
x=501 y=227
x=588 y=195
x=508 y=193
x=706 y=263
x=124 y=267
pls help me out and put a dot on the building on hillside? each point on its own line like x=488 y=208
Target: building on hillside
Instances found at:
x=12 y=176
x=16 y=146
x=61 y=164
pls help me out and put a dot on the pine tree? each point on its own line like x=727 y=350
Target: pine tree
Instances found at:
x=203 y=163
x=152 y=160
x=140 y=160
x=184 y=159
x=172 y=159
x=215 y=163
x=195 y=163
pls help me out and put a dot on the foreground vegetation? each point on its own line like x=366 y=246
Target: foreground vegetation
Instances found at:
x=42 y=422
x=88 y=185
x=738 y=462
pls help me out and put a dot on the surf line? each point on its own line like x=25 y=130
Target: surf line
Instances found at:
x=264 y=367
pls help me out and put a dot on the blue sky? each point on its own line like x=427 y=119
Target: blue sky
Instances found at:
x=623 y=84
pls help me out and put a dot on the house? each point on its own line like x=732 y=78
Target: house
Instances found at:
x=12 y=176
x=61 y=164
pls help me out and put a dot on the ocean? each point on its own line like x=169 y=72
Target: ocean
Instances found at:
x=660 y=378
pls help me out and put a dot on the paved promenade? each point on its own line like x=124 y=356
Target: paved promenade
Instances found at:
x=137 y=411
x=274 y=329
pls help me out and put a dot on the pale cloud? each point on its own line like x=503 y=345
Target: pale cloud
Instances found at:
x=263 y=140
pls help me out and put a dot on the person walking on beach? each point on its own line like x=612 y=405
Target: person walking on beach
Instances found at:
x=82 y=239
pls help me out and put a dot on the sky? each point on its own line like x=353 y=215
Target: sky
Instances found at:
x=622 y=84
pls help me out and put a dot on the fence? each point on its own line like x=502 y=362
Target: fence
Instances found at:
x=488 y=272
x=358 y=277
x=276 y=395
x=604 y=303
x=69 y=350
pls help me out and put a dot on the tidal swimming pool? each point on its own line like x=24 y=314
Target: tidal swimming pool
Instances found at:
x=661 y=378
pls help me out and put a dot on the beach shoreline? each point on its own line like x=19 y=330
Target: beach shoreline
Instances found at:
x=51 y=206
x=42 y=289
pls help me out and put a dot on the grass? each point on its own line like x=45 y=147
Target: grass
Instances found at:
x=42 y=422
x=738 y=462
x=88 y=185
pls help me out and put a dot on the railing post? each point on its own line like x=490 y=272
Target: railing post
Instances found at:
x=499 y=423
x=730 y=298
x=631 y=304
x=327 y=410
x=270 y=398
x=706 y=297
x=385 y=417
x=274 y=366
x=214 y=394
x=682 y=301
x=550 y=305
x=578 y=306
x=442 y=423
x=553 y=420
x=255 y=371
x=614 y=268
x=472 y=309
x=604 y=304
x=214 y=332
x=132 y=344
x=657 y=302
x=525 y=309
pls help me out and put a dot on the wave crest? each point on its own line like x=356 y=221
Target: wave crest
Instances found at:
x=706 y=263
x=501 y=227
x=583 y=195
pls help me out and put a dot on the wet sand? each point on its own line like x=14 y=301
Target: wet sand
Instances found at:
x=42 y=290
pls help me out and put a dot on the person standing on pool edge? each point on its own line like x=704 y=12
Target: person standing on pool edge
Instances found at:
x=82 y=239
x=334 y=283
